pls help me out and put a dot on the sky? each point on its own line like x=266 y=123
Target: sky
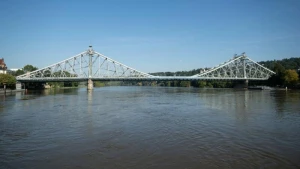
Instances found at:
x=149 y=35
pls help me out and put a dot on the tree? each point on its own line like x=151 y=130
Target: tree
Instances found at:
x=291 y=77
x=278 y=78
x=7 y=79
x=19 y=72
x=185 y=84
x=201 y=84
x=29 y=68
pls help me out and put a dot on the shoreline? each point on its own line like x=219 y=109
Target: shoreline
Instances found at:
x=9 y=91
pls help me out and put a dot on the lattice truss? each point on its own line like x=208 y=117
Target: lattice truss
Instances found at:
x=239 y=67
x=89 y=64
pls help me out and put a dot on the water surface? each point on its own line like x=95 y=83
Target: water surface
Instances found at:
x=150 y=127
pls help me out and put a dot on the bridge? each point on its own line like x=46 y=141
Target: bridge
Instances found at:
x=93 y=66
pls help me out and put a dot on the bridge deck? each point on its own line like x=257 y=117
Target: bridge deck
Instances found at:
x=154 y=78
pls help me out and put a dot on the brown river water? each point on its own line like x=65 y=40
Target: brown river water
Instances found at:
x=150 y=128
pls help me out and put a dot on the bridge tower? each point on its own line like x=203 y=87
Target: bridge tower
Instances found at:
x=90 y=52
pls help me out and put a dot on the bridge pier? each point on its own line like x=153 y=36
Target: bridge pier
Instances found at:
x=240 y=84
x=246 y=82
x=90 y=85
x=18 y=86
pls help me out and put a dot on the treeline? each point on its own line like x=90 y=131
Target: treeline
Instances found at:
x=61 y=84
x=177 y=83
x=199 y=83
x=178 y=73
x=291 y=63
x=287 y=74
x=25 y=69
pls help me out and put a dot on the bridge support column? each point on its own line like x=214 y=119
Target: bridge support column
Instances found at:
x=18 y=86
x=246 y=82
x=90 y=85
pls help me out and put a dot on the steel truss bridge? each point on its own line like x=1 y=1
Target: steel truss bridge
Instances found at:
x=91 y=65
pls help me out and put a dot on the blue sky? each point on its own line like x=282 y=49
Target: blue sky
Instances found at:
x=149 y=35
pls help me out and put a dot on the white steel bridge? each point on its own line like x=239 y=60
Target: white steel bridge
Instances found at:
x=93 y=66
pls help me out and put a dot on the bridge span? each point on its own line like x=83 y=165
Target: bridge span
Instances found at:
x=154 y=78
x=93 y=66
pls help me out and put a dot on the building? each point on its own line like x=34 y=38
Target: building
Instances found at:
x=3 y=66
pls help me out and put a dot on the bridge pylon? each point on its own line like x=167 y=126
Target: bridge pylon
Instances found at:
x=240 y=67
x=90 y=84
x=86 y=66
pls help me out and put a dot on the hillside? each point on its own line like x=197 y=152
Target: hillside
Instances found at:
x=291 y=63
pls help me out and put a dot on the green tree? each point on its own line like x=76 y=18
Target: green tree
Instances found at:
x=56 y=84
x=19 y=72
x=278 y=78
x=291 y=77
x=29 y=68
x=209 y=85
x=278 y=68
x=7 y=79
x=99 y=84
x=70 y=84
x=201 y=84
x=16 y=73
x=185 y=83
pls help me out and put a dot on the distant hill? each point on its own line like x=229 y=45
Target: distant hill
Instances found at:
x=291 y=63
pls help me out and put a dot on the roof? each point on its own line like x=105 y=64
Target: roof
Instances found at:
x=2 y=64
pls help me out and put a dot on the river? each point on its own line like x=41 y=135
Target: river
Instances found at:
x=150 y=127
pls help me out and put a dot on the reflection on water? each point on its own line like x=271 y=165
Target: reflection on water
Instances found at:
x=286 y=101
x=150 y=127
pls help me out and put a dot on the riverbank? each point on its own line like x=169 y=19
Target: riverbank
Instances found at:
x=62 y=87
x=9 y=91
